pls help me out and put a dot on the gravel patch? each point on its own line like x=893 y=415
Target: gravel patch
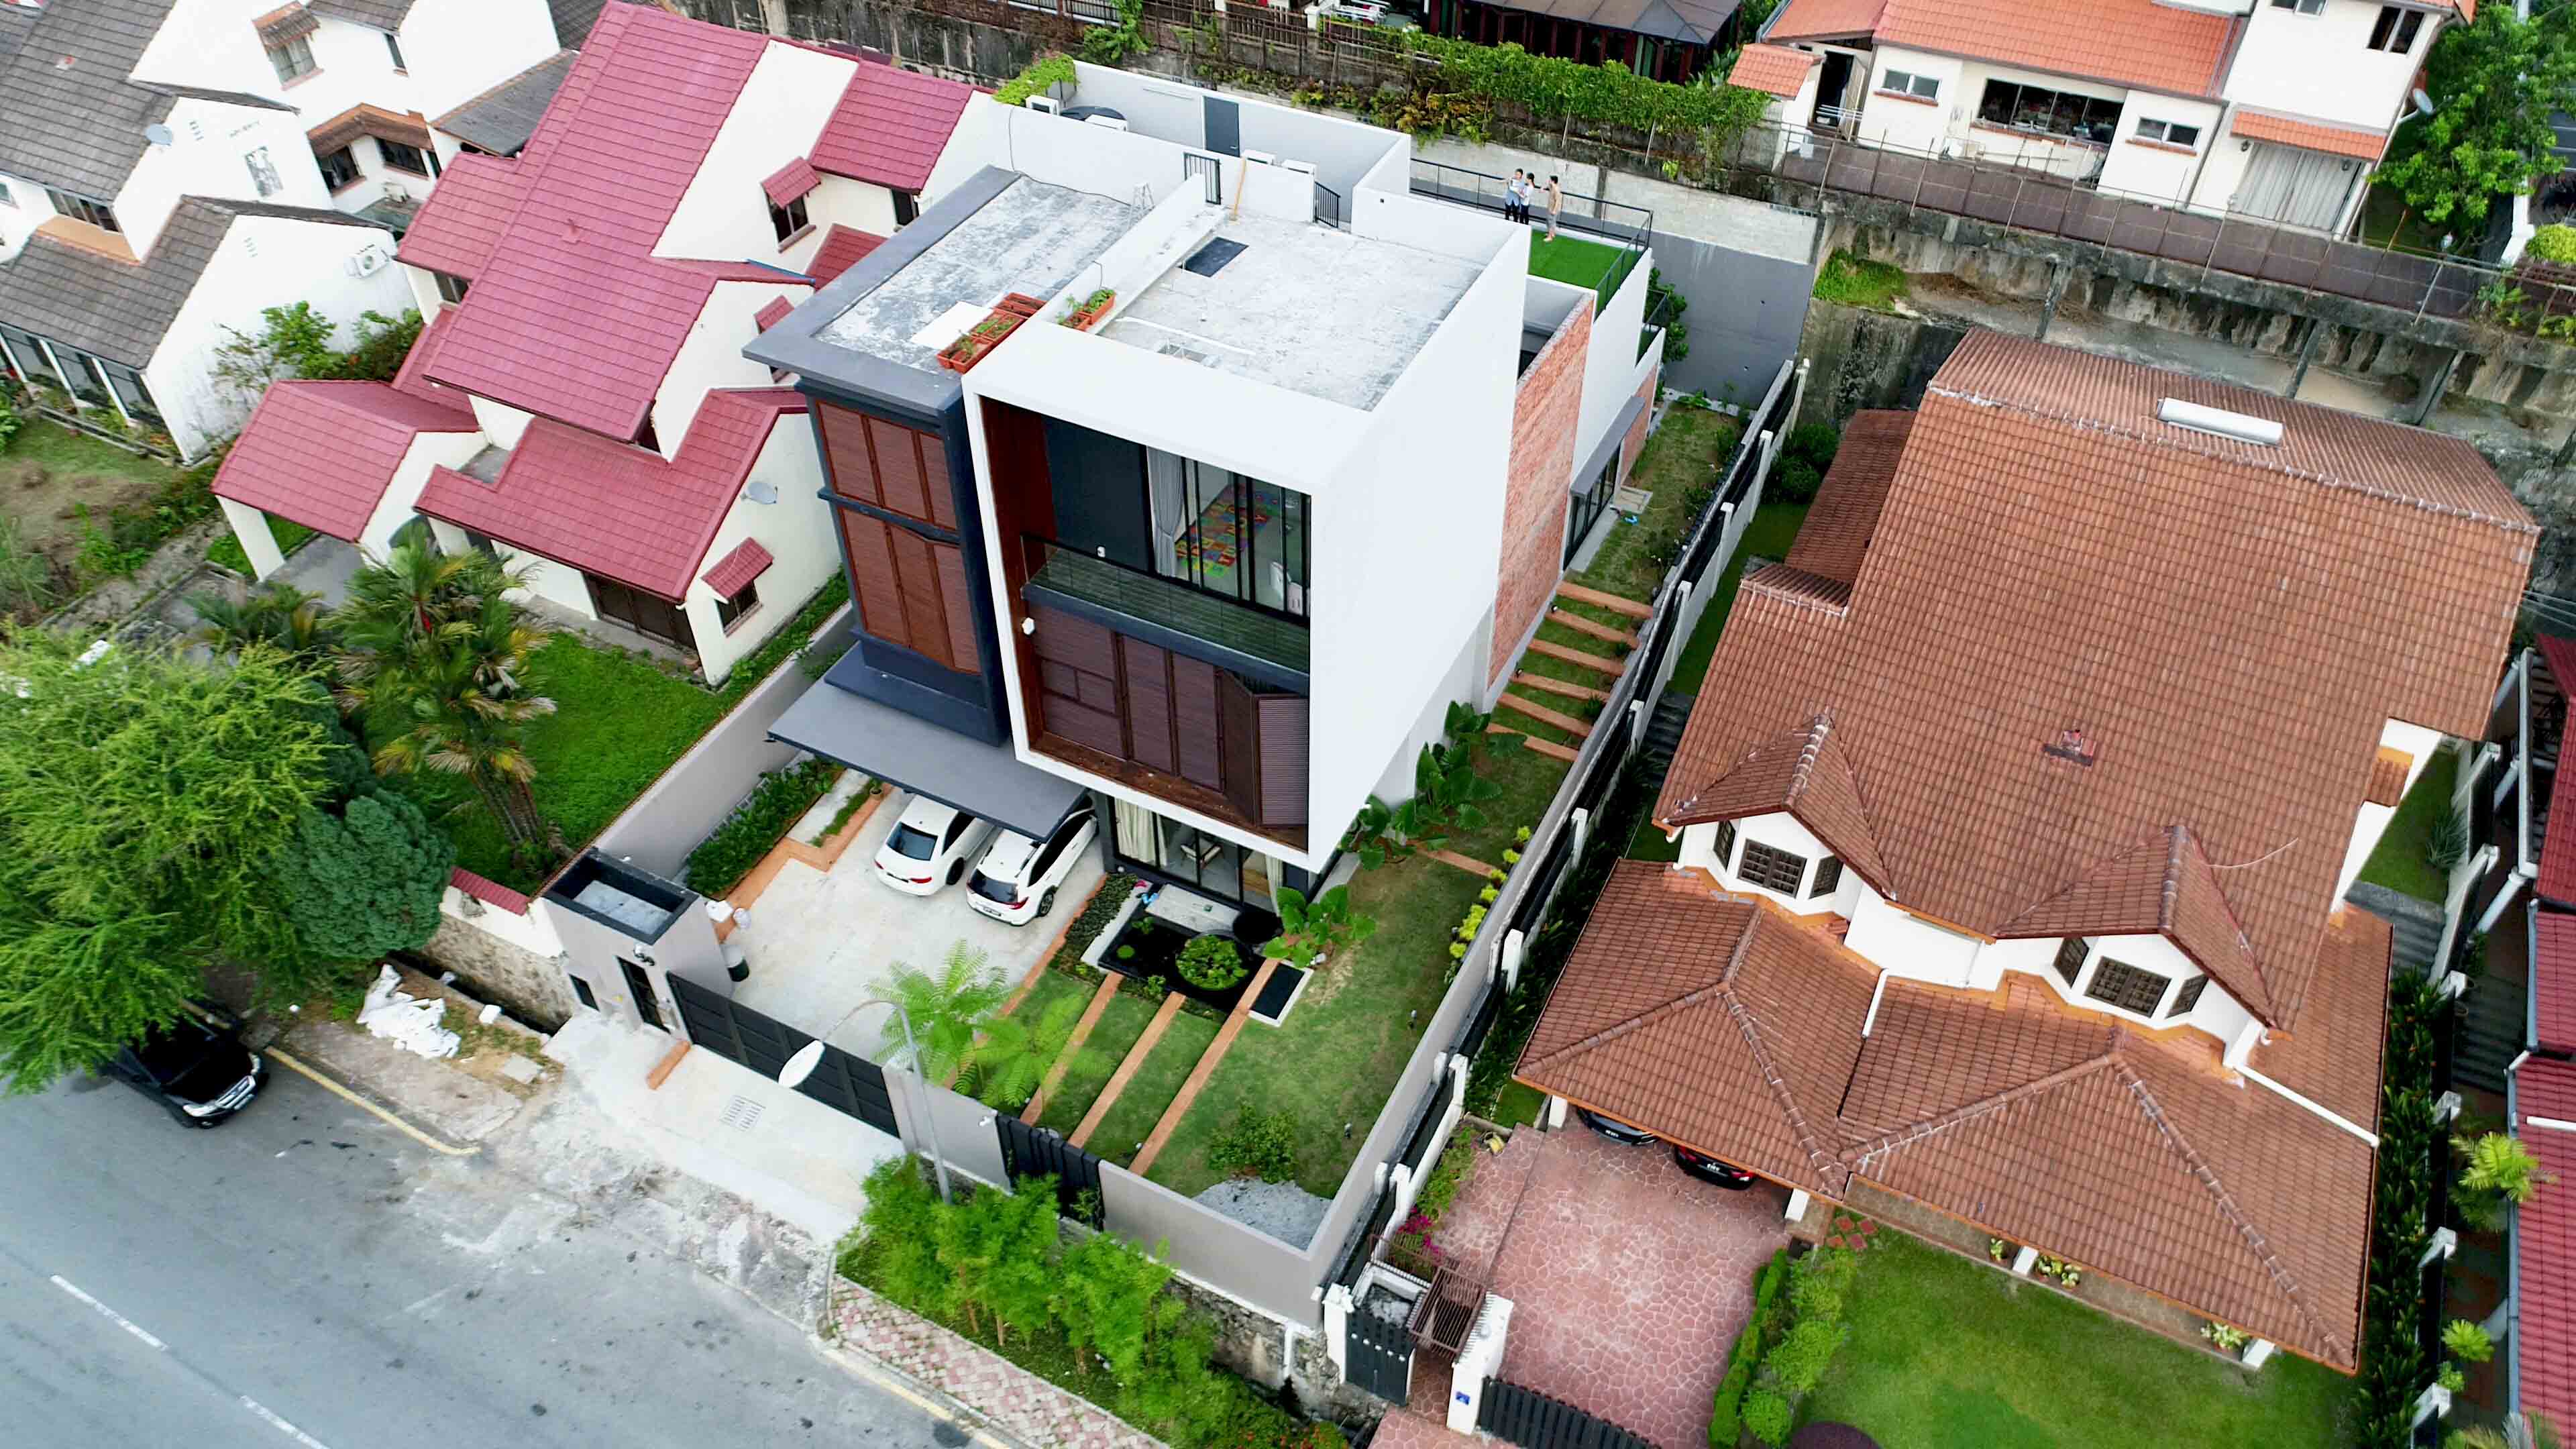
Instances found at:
x=1282 y=1209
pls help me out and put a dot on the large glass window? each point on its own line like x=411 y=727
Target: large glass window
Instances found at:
x=339 y=168
x=403 y=157
x=293 y=59
x=1228 y=534
x=1771 y=868
x=80 y=208
x=2054 y=113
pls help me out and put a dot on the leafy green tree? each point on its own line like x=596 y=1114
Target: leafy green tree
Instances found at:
x=1005 y=1066
x=143 y=801
x=434 y=656
x=366 y=882
x=1109 y=1300
x=899 y=1236
x=998 y=1248
x=946 y=1010
x=2494 y=84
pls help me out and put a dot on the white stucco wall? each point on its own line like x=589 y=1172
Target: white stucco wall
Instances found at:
x=1610 y=360
x=427 y=451
x=2153 y=172
x=711 y=356
x=502 y=423
x=556 y=583
x=1781 y=831
x=1887 y=119
x=206 y=157
x=2372 y=822
x=532 y=932
x=858 y=205
x=24 y=210
x=264 y=262
x=2321 y=66
x=723 y=216
x=797 y=531
x=458 y=49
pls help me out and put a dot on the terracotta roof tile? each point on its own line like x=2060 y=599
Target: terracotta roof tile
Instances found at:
x=890 y=126
x=2130 y=42
x=613 y=510
x=2544 y=1246
x=2228 y=626
x=843 y=247
x=490 y=892
x=322 y=453
x=2388 y=772
x=2362 y=143
x=1824 y=19
x=790 y=181
x=2333 y=1058
x=2161 y=886
x=2553 y=981
x=1775 y=69
x=2557 y=878
x=741 y=564
x=1836 y=535
x=1723 y=1025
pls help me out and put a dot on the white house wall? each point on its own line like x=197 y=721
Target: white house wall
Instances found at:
x=860 y=204
x=2222 y=173
x=394 y=509
x=263 y=262
x=2321 y=66
x=711 y=355
x=723 y=216
x=797 y=531
x=501 y=423
x=458 y=49
x=2372 y=822
x=207 y=156
x=25 y=210
x=1909 y=946
x=1911 y=124
x=2155 y=172
x=1609 y=362
x=533 y=932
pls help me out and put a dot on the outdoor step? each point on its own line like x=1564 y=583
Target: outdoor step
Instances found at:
x=1599 y=600
x=1467 y=863
x=1549 y=748
x=1118 y=1079
x=1199 y=1074
x=1595 y=628
x=1580 y=729
x=1072 y=1047
x=1559 y=686
x=1571 y=655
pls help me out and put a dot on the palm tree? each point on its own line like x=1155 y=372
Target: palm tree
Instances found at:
x=1006 y=1066
x=946 y=1010
x=276 y=613
x=433 y=655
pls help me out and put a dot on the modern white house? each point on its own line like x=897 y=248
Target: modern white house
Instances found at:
x=579 y=403
x=2016 y=821
x=2274 y=109
x=167 y=171
x=1222 y=548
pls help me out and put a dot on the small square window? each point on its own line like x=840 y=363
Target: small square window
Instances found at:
x=2169 y=132
x=2395 y=29
x=581 y=989
x=1772 y=869
x=451 y=288
x=1906 y=83
x=292 y=59
x=1726 y=845
x=339 y=169
x=1829 y=877
x=401 y=157
x=906 y=207
x=2304 y=7
x=2070 y=958
x=732 y=607
x=787 y=221
x=2187 y=998
x=2117 y=983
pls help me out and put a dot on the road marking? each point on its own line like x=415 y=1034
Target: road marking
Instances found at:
x=283 y=1427
x=860 y=1367
x=112 y=1316
x=353 y=1099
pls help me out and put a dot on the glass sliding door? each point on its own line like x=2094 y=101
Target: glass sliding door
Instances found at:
x=1227 y=534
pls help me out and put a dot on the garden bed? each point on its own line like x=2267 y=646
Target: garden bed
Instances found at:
x=1122 y=1021
x=1157 y=1081
x=2403 y=860
x=1148 y=951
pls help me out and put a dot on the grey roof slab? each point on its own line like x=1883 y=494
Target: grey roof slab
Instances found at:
x=503 y=118
x=80 y=126
x=381 y=14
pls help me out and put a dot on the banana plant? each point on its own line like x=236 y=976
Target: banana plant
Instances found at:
x=1314 y=931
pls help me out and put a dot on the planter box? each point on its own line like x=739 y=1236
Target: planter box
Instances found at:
x=962 y=354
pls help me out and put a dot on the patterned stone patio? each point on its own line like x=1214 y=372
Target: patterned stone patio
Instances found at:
x=1629 y=1281
x=1019 y=1406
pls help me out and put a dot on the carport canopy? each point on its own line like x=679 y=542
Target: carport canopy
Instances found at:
x=986 y=781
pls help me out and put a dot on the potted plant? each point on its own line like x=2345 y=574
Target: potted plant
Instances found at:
x=962 y=354
x=1019 y=304
x=1087 y=313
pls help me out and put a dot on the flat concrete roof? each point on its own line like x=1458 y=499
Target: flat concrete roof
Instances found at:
x=1030 y=237
x=1303 y=307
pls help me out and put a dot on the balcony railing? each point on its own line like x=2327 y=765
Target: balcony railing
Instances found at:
x=1259 y=643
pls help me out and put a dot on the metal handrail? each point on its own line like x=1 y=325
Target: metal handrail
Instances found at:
x=1035 y=548
x=1628 y=226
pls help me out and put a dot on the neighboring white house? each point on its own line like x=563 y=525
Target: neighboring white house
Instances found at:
x=167 y=171
x=2277 y=109
x=1226 y=555
x=580 y=403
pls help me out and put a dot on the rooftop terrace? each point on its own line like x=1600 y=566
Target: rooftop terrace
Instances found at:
x=1303 y=307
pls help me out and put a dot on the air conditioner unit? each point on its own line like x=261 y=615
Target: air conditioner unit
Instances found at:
x=367 y=263
x=1048 y=104
x=1302 y=168
x=1111 y=122
x=1260 y=158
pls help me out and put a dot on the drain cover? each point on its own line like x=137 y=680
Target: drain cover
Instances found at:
x=740 y=1113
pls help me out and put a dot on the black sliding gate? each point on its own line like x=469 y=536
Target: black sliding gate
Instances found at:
x=1036 y=1152
x=845 y=1083
x=1534 y=1421
x=1379 y=1347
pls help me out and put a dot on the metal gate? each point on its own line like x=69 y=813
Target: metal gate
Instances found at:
x=1377 y=1348
x=1203 y=170
x=1036 y=1152
x=845 y=1083
x=1534 y=1421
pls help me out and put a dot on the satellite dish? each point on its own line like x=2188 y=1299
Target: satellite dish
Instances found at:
x=158 y=134
x=759 y=491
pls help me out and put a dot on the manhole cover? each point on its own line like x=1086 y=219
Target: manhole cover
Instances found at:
x=740 y=1113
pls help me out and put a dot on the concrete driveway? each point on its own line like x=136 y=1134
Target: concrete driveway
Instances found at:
x=822 y=942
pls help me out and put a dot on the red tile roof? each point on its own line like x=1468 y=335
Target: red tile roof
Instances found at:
x=2128 y=42
x=617 y=511
x=413 y=378
x=790 y=181
x=2360 y=142
x=573 y=318
x=2553 y=981
x=2557 y=878
x=890 y=126
x=2176 y=597
x=1727 y=1025
x=1824 y=19
x=772 y=313
x=2544 y=1245
x=741 y=564
x=490 y=892
x=462 y=221
x=1775 y=69
x=322 y=453
x=843 y=247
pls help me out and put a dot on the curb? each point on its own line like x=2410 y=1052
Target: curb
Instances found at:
x=366 y=1101
x=938 y=1403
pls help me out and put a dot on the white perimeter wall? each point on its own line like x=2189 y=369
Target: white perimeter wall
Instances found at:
x=724 y=215
x=264 y=261
x=2322 y=67
x=797 y=531
x=711 y=355
x=2373 y=820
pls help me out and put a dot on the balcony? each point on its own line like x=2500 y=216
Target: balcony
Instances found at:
x=1266 y=645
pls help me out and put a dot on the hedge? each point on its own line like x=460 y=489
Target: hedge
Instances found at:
x=728 y=854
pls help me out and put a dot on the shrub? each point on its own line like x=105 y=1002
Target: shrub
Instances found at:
x=1726 y=1412
x=1448 y=1174
x=2462 y=1339
x=734 y=847
x=1211 y=963
x=1797 y=1363
x=1767 y=1415
x=1815 y=443
x=1768 y=1283
x=1822 y=1281
x=2553 y=244
x=2447 y=843
x=2225 y=1337
x=1748 y=1347
x=1259 y=1144
x=1794 y=481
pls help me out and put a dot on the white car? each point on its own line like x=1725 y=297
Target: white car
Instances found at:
x=1016 y=880
x=929 y=847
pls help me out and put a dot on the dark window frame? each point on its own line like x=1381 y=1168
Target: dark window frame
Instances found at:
x=1772 y=867
x=1913 y=84
x=2172 y=133
x=335 y=161
x=99 y=214
x=2070 y=959
x=393 y=47
x=907 y=205
x=1726 y=846
x=283 y=55
x=2119 y=984
x=733 y=608
x=2395 y=30
x=789 y=222
x=2186 y=997
x=1828 y=877
x=451 y=287
x=2042 y=111
x=398 y=156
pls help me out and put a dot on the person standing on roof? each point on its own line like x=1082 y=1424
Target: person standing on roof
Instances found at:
x=1555 y=202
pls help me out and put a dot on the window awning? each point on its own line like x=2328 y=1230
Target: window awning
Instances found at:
x=293 y=22
x=366 y=120
x=986 y=781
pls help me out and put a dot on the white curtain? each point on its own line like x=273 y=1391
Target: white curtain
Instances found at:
x=2295 y=187
x=1138 y=840
x=1166 y=489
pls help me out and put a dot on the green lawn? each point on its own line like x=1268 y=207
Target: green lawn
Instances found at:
x=226 y=550
x=2400 y=862
x=1346 y=1041
x=1579 y=263
x=618 y=723
x=1121 y=1022
x=1773 y=529
x=1529 y=780
x=1689 y=448
x=1157 y=1081
x=1847 y=279
x=1948 y=1354
x=1519 y=1103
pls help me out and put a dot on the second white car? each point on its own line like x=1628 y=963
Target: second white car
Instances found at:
x=930 y=846
x=1016 y=880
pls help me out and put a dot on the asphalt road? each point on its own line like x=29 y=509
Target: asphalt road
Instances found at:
x=304 y=1275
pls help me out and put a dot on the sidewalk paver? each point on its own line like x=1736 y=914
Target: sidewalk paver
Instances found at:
x=1017 y=1403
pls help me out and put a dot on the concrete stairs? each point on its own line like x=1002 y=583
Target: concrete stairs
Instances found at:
x=1664 y=729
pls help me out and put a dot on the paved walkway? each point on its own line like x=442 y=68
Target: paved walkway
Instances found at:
x=1629 y=1281
x=1018 y=1404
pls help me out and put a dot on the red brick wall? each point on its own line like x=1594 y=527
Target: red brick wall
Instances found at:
x=1636 y=439
x=1543 y=419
